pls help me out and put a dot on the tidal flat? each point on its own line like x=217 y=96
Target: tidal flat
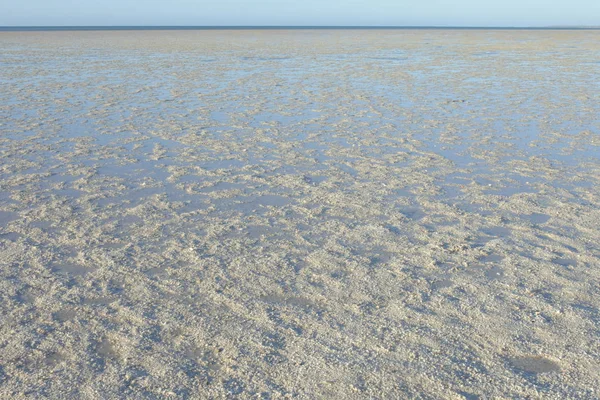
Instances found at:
x=339 y=214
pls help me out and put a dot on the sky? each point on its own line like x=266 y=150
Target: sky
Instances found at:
x=300 y=12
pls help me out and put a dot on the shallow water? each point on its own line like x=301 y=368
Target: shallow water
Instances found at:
x=336 y=214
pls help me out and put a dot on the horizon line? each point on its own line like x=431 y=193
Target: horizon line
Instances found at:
x=281 y=27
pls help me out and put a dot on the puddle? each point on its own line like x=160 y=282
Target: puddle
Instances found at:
x=220 y=116
x=314 y=179
x=536 y=218
x=294 y=301
x=71 y=269
x=486 y=53
x=106 y=349
x=156 y=271
x=492 y=258
x=249 y=205
x=535 y=364
x=497 y=231
x=130 y=220
x=224 y=164
x=53 y=358
x=11 y=236
x=414 y=214
x=389 y=58
x=222 y=186
x=65 y=315
x=494 y=273
x=511 y=190
x=442 y=284
x=6 y=217
x=565 y=262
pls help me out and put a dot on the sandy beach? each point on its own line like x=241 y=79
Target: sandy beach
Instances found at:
x=308 y=214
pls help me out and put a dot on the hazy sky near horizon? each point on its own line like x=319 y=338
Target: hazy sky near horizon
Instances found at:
x=303 y=12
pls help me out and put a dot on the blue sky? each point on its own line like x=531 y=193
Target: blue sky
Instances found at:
x=300 y=12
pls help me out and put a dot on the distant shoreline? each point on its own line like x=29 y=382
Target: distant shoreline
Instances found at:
x=175 y=28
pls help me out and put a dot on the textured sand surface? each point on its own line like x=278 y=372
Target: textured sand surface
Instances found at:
x=300 y=214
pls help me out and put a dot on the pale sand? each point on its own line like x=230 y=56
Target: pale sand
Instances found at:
x=302 y=214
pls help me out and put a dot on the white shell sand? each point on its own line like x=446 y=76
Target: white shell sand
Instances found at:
x=305 y=214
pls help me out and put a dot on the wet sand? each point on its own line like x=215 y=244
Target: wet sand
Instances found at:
x=300 y=214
